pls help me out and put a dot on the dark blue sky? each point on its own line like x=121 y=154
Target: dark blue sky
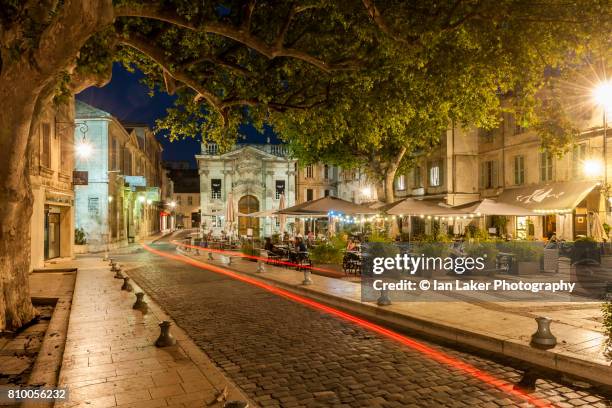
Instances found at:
x=129 y=100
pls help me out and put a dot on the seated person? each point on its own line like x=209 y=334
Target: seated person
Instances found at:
x=350 y=245
x=268 y=246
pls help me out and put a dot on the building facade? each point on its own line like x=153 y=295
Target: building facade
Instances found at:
x=51 y=164
x=251 y=176
x=120 y=201
x=185 y=196
x=509 y=165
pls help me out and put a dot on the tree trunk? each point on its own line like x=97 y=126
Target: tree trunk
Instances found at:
x=16 y=209
x=26 y=87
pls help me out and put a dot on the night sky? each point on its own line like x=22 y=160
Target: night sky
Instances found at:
x=129 y=100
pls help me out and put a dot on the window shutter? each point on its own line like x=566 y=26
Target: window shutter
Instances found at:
x=494 y=180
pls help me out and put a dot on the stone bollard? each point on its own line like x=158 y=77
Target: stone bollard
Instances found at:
x=307 y=280
x=229 y=260
x=543 y=338
x=140 y=304
x=260 y=267
x=165 y=339
x=236 y=404
x=110 y=261
x=384 y=299
x=210 y=256
x=126 y=284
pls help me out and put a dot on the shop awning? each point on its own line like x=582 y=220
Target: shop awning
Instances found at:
x=553 y=197
x=323 y=207
x=410 y=206
x=493 y=207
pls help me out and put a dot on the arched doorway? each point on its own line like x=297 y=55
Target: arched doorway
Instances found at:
x=246 y=205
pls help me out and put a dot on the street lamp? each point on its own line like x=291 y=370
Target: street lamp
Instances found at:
x=141 y=198
x=592 y=168
x=172 y=204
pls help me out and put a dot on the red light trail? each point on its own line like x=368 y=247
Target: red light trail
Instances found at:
x=428 y=351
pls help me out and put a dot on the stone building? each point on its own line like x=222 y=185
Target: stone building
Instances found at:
x=51 y=164
x=508 y=164
x=254 y=176
x=120 y=202
x=186 y=197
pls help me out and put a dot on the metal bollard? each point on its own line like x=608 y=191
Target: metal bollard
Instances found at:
x=384 y=299
x=118 y=274
x=236 y=404
x=126 y=284
x=165 y=339
x=307 y=280
x=260 y=267
x=543 y=338
x=210 y=256
x=140 y=304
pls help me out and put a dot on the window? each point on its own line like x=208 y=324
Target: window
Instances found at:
x=66 y=152
x=127 y=162
x=546 y=166
x=215 y=189
x=215 y=221
x=178 y=200
x=326 y=193
x=326 y=172
x=518 y=129
x=400 y=182
x=417 y=181
x=46 y=145
x=309 y=194
x=435 y=173
x=519 y=170
x=279 y=188
x=578 y=158
x=93 y=206
x=488 y=174
x=309 y=171
x=113 y=154
x=189 y=200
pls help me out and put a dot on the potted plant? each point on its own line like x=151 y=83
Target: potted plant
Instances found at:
x=248 y=248
x=526 y=254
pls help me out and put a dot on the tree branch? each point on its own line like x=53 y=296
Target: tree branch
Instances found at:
x=382 y=24
x=158 y=56
x=237 y=34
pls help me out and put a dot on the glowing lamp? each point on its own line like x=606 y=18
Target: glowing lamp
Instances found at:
x=602 y=94
x=83 y=149
x=592 y=168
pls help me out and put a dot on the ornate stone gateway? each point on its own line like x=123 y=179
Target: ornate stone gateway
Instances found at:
x=246 y=205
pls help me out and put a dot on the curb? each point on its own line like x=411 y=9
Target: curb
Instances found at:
x=598 y=372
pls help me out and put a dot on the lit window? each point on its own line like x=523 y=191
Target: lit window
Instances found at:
x=435 y=173
x=215 y=189
x=400 y=182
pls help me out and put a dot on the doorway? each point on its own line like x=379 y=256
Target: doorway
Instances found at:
x=52 y=233
x=246 y=205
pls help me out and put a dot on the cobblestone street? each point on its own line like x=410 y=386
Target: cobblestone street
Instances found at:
x=285 y=354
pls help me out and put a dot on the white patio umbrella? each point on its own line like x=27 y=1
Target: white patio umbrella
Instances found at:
x=282 y=218
x=230 y=214
x=597 y=231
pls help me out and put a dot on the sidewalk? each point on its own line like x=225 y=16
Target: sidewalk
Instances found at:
x=110 y=360
x=502 y=328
